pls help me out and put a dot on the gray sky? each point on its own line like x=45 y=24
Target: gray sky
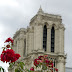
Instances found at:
x=15 y=14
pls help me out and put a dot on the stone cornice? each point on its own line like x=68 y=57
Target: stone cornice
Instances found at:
x=48 y=17
x=52 y=54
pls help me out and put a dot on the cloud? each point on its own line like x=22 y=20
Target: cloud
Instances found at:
x=11 y=3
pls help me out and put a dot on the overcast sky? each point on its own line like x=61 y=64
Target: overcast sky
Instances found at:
x=15 y=14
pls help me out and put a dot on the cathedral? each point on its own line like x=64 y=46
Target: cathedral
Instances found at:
x=44 y=35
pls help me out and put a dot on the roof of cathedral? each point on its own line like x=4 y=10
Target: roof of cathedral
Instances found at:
x=41 y=13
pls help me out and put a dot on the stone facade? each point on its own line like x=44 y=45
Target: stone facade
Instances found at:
x=29 y=42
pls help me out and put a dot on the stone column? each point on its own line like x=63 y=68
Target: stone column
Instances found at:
x=21 y=47
x=48 y=40
x=38 y=37
x=30 y=42
x=56 y=48
x=61 y=41
x=41 y=37
x=60 y=64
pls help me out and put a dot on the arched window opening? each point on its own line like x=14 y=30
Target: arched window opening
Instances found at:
x=45 y=38
x=52 y=39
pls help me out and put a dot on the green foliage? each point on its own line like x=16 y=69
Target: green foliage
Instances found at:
x=16 y=70
x=20 y=67
x=12 y=64
x=29 y=71
x=0 y=69
x=44 y=67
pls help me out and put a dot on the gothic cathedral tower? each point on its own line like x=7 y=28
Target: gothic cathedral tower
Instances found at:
x=45 y=35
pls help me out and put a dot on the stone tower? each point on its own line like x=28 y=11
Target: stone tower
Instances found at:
x=44 y=35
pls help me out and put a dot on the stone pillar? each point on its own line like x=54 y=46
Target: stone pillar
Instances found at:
x=56 y=48
x=60 y=64
x=61 y=41
x=41 y=37
x=48 y=40
x=30 y=42
x=21 y=47
x=38 y=38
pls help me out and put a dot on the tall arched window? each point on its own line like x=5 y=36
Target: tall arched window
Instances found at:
x=52 y=39
x=44 y=37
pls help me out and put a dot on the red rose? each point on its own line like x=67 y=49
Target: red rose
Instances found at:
x=9 y=39
x=9 y=56
x=46 y=61
x=52 y=65
x=32 y=68
x=40 y=61
x=17 y=56
x=36 y=63
x=8 y=46
x=40 y=57
x=56 y=69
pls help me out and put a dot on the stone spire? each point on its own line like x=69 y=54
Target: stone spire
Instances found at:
x=40 y=11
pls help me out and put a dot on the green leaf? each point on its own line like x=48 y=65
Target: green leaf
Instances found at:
x=44 y=67
x=22 y=63
x=3 y=49
x=11 y=47
x=16 y=70
x=21 y=66
x=0 y=69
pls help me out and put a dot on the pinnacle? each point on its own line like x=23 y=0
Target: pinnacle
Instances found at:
x=40 y=10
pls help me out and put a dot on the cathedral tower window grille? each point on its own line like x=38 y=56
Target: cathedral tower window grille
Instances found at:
x=52 y=39
x=44 y=37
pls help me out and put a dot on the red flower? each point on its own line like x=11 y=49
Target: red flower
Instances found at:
x=17 y=56
x=9 y=56
x=40 y=57
x=8 y=46
x=36 y=63
x=40 y=61
x=51 y=70
x=32 y=68
x=46 y=61
x=52 y=65
x=56 y=69
x=9 y=39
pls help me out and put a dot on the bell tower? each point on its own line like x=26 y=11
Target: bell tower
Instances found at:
x=48 y=32
x=44 y=35
x=47 y=37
